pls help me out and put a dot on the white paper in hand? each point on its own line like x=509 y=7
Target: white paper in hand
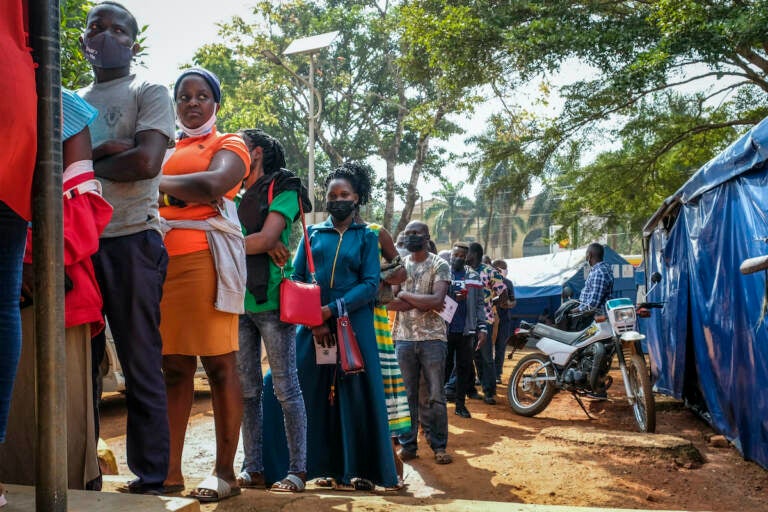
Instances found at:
x=449 y=309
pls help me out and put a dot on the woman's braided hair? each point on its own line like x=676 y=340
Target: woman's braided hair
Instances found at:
x=358 y=175
x=274 y=154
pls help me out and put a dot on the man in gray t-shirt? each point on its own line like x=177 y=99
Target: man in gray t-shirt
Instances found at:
x=421 y=342
x=130 y=110
x=129 y=139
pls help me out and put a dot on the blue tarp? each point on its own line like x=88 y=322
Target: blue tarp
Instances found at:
x=539 y=280
x=707 y=346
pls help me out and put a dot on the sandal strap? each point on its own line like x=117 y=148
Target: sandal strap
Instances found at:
x=295 y=480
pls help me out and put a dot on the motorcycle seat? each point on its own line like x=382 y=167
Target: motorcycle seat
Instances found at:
x=545 y=331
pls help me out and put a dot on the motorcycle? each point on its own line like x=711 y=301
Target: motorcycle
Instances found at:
x=565 y=361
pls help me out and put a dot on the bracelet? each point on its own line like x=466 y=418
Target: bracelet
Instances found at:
x=166 y=202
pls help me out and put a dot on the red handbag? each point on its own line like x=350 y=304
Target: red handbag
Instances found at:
x=349 y=350
x=300 y=302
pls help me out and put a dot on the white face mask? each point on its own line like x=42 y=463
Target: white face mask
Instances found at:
x=203 y=129
x=403 y=252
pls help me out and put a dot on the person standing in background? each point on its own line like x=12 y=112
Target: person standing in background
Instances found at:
x=207 y=255
x=503 y=330
x=85 y=214
x=267 y=211
x=493 y=287
x=468 y=323
x=421 y=342
x=129 y=139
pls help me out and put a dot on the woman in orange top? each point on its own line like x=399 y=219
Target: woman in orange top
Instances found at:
x=206 y=168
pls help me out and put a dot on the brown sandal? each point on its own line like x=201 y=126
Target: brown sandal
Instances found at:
x=251 y=480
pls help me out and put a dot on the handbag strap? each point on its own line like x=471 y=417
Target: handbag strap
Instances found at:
x=307 y=249
x=341 y=307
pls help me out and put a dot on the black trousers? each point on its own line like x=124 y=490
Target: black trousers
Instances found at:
x=131 y=271
x=460 y=349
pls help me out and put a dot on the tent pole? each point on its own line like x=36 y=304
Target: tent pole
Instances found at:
x=48 y=257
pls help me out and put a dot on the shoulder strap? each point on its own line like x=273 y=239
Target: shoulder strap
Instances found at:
x=271 y=191
x=307 y=248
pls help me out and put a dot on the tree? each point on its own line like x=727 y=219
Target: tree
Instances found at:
x=371 y=108
x=658 y=78
x=451 y=212
x=75 y=70
x=501 y=225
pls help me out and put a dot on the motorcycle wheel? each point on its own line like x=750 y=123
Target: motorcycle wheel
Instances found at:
x=640 y=384
x=530 y=398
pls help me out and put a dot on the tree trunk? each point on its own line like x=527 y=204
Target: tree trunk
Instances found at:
x=334 y=156
x=422 y=148
x=392 y=153
x=488 y=223
x=412 y=194
x=389 y=195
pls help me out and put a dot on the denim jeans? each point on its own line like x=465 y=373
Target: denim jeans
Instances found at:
x=485 y=366
x=280 y=342
x=427 y=359
x=500 y=345
x=13 y=237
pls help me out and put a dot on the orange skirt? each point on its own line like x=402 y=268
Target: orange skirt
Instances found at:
x=189 y=324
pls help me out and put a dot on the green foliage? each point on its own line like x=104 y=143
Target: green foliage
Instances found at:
x=624 y=187
x=665 y=82
x=75 y=70
x=373 y=107
x=451 y=211
x=496 y=212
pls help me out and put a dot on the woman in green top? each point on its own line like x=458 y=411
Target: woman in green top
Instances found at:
x=267 y=211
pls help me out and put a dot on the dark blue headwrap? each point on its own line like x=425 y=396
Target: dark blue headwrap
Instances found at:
x=212 y=79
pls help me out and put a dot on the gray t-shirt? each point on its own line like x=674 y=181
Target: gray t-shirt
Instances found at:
x=415 y=325
x=126 y=107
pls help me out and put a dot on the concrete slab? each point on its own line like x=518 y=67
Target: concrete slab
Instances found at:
x=21 y=498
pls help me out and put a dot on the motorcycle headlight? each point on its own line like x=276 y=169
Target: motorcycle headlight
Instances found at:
x=625 y=315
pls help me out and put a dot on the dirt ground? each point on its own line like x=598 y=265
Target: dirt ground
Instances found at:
x=499 y=456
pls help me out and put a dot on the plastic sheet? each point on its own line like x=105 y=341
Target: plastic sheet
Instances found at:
x=707 y=345
x=539 y=280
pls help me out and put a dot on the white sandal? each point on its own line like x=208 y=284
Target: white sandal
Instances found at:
x=220 y=489
x=3 y=501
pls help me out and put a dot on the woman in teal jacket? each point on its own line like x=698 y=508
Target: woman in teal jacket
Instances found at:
x=347 y=426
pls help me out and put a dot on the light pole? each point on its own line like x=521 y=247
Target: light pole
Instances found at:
x=310 y=46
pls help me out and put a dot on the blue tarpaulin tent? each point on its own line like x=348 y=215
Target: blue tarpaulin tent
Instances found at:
x=707 y=346
x=539 y=280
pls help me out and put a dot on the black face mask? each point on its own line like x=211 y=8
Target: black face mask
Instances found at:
x=458 y=264
x=415 y=243
x=340 y=210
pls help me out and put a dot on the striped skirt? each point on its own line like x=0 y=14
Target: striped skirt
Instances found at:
x=394 y=388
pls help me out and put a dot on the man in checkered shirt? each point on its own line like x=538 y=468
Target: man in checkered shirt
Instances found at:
x=597 y=290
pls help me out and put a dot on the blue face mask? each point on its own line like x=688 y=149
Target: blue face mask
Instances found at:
x=104 y=51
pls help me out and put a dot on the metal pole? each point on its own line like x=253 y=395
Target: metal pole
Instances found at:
x=48 y=256
x=311 y=169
